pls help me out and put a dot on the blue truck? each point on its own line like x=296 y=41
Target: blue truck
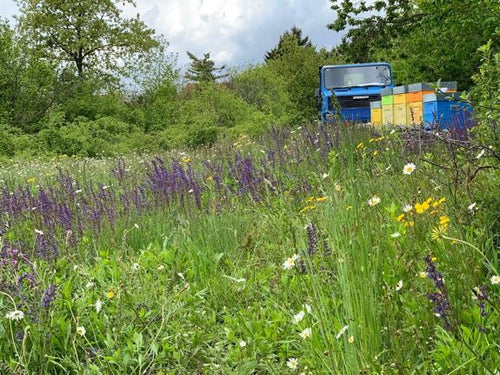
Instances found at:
x=354 y=86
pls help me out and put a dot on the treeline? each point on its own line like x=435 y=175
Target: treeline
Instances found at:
x=80 y=79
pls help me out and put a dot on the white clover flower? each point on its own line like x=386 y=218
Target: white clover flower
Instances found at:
x=38 y=231
x=472 y=206
x=136 y=267
x=242 y=343
x=292 y=363
x=15 y=315
x=306 y=334
x=409 y=168
x=81 y=331
x=89 y=285
x=98 y=306
x=495 y=279
x=161 y=267
x=407 y=208
x=324 y=176
x=342 y=331
x=373 y=201
x=399 y=285
x=299 y=316
x=396 y=235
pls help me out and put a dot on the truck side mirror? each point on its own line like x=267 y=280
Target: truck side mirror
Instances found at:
x=317 y=93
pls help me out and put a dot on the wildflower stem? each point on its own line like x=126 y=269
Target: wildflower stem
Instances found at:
x=487 y=261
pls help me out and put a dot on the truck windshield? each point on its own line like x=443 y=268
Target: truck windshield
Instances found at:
x=357 y=76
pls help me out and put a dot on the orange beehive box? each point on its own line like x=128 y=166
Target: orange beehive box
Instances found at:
x=417 y=91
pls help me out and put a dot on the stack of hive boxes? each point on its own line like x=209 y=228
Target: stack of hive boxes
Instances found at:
x=415 y=98
x=417 y=104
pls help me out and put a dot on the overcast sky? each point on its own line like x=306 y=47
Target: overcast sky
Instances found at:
x=235 y=32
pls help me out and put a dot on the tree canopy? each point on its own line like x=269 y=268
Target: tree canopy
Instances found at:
x=87 y=34
x=426 y=40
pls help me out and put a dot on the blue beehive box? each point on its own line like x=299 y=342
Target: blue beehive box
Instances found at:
x=445 y=110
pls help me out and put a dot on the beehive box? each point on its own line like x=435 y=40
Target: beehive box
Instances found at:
x=387 y=100
x=415 y=112
x=445 y=110
x=399 y=110
x=376 y=112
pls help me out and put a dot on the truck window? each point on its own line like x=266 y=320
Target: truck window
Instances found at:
x=372 y=75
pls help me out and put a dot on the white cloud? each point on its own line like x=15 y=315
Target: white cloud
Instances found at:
x=235 y=32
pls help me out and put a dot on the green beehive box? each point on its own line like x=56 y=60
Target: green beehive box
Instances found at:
x=387 y=97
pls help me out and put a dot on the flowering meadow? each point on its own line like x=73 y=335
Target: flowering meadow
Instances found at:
x=320 y=249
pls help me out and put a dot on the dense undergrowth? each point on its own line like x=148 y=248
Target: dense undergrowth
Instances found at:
x=316 y=249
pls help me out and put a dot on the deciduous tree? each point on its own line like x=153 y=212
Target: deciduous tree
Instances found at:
x=90 y=35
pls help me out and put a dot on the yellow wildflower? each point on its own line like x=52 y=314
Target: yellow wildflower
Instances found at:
x=321 y=199
x=422 y=207
x=400 y=217
x=31 y=180
x=444 y=220
x=360 y=146
x=111 y=294
x=310 y=200
x=374 y=153
x=186 y=160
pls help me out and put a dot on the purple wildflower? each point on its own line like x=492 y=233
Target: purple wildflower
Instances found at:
x=48 y=296
x=442 y=306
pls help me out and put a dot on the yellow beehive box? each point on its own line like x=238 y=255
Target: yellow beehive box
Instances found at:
x=415 y=113
x=400 y=117
x=376 y=113
x=399 y=93
x=376 y=116
x=387 y=115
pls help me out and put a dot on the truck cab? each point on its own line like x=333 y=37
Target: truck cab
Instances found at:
x=354 y=86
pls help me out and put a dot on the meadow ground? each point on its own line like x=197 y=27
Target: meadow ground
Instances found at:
x=315 y=250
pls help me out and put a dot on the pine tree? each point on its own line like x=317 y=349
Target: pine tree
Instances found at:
x=294 y=35
x=203 y=70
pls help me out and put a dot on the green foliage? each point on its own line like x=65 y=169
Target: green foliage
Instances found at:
x=212 y=107
x=372 y=25
x=26 y=83
x=203 y=70
x=436 y=49
x=105 y=136
x=265 y=89
x=90 y=36
x=486 y=95
x=298 y=68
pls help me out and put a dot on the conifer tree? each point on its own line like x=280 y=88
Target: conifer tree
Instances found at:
x=203 y=70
